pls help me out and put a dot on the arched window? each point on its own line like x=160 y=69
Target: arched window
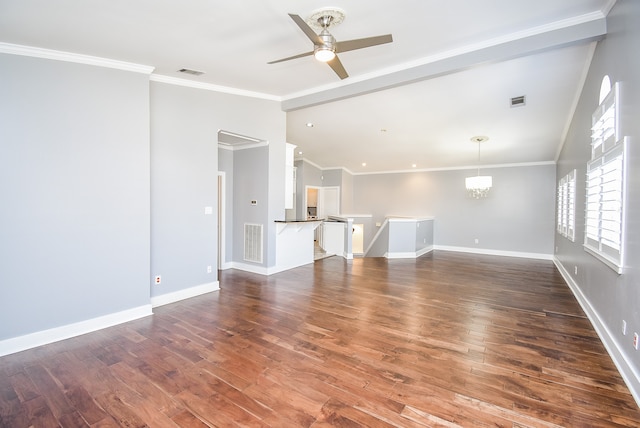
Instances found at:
x=605 y=88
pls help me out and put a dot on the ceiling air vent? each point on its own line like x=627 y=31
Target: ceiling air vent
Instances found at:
x=193 y=72
x=518 y=101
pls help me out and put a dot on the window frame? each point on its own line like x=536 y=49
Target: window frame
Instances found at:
x=566 y=214
x=605 y=187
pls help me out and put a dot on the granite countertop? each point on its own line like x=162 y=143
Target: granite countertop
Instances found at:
x=300 y=220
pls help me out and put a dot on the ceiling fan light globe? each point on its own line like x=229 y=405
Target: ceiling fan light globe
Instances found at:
x=324 y=54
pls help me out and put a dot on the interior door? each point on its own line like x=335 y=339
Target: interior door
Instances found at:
x=329 y=201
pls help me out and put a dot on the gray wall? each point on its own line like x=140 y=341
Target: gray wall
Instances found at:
x=184 y=165
x=346 y=193
x=74 y=185
x=343 y=179
x=104 y=179
x=517 y=216
x=185 y=122
x=609 y=298
x=251 y=166
x=307 y=174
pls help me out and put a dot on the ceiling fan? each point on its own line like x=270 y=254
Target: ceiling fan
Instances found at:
x=325 y=46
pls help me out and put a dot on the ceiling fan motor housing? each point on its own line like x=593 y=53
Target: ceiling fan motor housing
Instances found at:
x=328 y=41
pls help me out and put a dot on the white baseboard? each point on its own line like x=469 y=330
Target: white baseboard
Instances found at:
x=165 y=299
x=424 y=251
x=226 y=265
x=261 y=270
x=539 y=256
x=400 y=255
x=409 y=254
x=629 y=374
x=39 y=338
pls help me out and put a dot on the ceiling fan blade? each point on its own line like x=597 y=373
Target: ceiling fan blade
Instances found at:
x=292 y=57
x=306 y=29
x=350 y=45
x=337 y=66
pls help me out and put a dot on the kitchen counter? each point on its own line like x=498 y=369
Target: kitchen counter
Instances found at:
x=305 y=220
x=294 y=242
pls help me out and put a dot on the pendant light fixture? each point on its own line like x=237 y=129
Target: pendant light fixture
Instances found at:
x=479 y=185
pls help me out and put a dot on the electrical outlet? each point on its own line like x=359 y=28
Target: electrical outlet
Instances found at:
x=575 y=270
x=209 y=269
x=477 y=241
x=158 y=279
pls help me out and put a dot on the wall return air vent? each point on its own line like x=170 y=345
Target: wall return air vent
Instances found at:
x=518 y=101
x=192 y=72
x=253 y=242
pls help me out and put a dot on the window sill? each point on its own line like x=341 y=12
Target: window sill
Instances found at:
x=613 y=264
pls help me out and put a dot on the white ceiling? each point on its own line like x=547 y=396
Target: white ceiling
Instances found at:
x=448 y=75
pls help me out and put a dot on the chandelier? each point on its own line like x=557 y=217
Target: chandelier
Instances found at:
x=479 y=185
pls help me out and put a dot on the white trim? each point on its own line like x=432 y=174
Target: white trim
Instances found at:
x=261 y=270
x=243 y=146
x=629 y=374
x=165 y=299
x=211 y=87
x=315 y=164
x=382 y=227
x=538 y=256
x=403 y=219
x=44 y=337
x=576 y=98
x=414 y=170
x=425 y=250
x=222 y=218
x=73 y=57
x=409 y=254
x=226 y=265
x=400 y=255
x=458 y=168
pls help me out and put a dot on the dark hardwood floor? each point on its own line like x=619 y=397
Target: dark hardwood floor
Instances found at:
x=446 y=340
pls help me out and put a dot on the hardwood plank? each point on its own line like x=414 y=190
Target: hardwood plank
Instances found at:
x=448 y=339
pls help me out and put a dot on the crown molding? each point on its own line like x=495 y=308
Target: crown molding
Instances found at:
x=459 y=168
x=34 y=52
x=161 y=78
x=242 y=147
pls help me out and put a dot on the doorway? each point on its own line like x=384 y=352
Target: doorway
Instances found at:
x=321 y=202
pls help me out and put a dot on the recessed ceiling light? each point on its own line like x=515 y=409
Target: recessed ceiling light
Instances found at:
x=309 y=125
x=300 y=152
x=413 y=165
x=364 y=164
